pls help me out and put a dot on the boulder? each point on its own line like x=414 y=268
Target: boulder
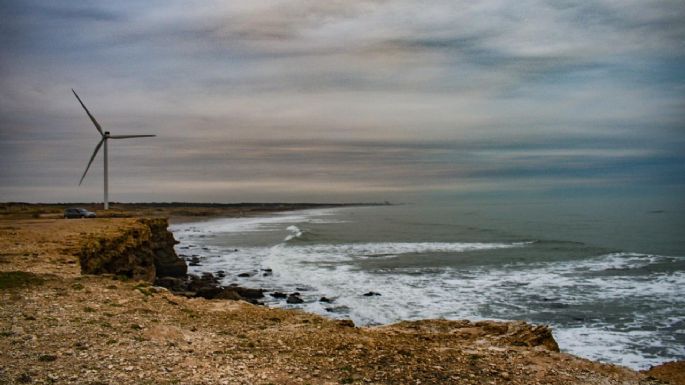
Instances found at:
x=347 y=323
x=670 y=372
x=230 y=294
x=249 y=293
x=209 y=292
x=519 y=333
x=206 y=281
x=294 y=299
x=172 y=283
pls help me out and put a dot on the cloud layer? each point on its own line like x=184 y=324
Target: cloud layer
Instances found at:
x=341 y=100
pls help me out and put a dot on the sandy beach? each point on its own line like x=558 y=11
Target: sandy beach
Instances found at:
x=59 y=325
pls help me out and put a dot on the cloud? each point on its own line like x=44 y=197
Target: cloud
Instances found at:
x=376 y=98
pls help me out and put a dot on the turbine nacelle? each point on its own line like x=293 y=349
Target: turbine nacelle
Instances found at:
x=105 y=136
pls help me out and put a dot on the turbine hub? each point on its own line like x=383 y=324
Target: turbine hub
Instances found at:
x=106 y=133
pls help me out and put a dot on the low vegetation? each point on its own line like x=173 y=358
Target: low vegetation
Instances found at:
x=15 y=279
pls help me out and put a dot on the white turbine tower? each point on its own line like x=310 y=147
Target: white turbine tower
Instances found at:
x=105 y=136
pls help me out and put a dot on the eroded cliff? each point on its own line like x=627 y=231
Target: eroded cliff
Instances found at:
x=141 y=251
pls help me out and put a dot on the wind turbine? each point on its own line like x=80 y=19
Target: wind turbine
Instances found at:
x=105 y=136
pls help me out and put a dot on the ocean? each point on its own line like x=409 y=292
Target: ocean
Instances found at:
x=608 y=277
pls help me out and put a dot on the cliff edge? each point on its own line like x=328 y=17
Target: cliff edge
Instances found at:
x=143 y=250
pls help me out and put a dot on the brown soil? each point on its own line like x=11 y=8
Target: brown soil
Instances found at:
x=58 y=326
x=671 y=372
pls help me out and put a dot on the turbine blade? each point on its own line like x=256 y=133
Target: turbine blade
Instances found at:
x=91 y=159
x=130 y=136
x=95 y=122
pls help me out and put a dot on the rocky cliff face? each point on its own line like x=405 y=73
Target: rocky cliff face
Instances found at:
x=512 y=333
x=142 y=251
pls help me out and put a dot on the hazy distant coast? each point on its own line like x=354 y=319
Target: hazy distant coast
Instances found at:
x=176 y=211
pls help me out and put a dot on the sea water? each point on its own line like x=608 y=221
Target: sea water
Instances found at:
x=609 y=280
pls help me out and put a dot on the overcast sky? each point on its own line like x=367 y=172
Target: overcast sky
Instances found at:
x=310 y=100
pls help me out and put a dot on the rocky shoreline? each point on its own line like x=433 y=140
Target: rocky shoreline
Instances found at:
x=146 y=253
x=108 y=301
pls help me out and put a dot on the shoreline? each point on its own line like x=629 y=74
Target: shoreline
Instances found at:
x=53 y=316
x=218 y=255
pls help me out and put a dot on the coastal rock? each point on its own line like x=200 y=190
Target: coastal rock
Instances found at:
x=371 y=294
x=205 y=286
x=347 y=323
x=278 y=294
x=172 y=283
x=523 y=334
x=338 y=309
x=244 y=275
x=135 y=253
x=229 y=294
x=235 y=293
x=170 y=267
x=670 y=372
x=325 y=300
x=248 y=293
x=162 y=242
x=514 y=333
x=294 y=299
x=209 y=292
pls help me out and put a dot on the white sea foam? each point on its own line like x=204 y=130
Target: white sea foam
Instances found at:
x=617 y=261
x=599 y=343
x=295 y=233
x=351 y=251
x=251 y=224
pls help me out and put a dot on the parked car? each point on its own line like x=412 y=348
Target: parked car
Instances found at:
x=76 y=212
